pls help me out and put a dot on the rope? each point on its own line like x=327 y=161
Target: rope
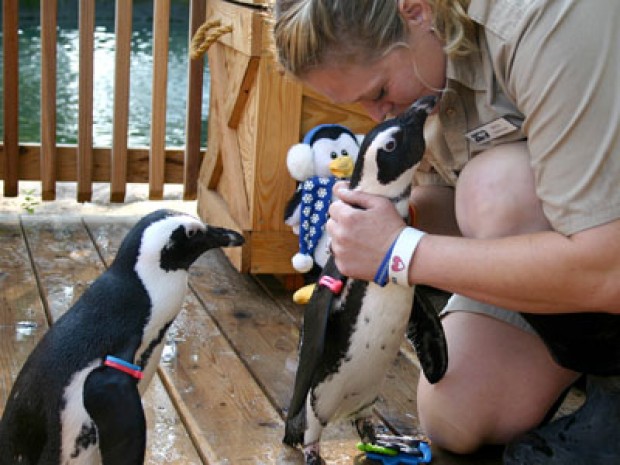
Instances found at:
x=204 y=37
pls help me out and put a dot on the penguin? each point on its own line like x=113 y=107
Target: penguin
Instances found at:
x=77 y=399
x=350 y=336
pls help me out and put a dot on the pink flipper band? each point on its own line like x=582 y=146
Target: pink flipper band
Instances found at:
x=126 y=367
x=333 y=284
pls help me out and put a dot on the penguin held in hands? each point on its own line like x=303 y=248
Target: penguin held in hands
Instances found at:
x=77 y=399
x=353 y=329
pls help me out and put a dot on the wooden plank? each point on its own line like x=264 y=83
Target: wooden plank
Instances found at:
x=273 y=185
x=213 y=209
x=255 y=3
x=19 y=300
x=263 y=252
x=212 y=166
x=271 y=252
x=233 y=182
x=161 y=33
x=167 y=440
x=48 y=173
x=10 y=92
x=120 y=122
x=64 y=258
x=22 y=316
x=247 y=26
x=317 y=111
x=137 y=164
x=193 y=122
x=240 y=83
x=85 y=98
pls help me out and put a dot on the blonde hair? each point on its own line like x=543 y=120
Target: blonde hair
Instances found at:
x=311 y=33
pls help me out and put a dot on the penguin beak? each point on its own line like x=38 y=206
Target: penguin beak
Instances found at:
x=423 y=104
x=341 y=167
x=222 y=237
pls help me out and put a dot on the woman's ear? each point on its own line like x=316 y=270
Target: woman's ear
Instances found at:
x=416 y=11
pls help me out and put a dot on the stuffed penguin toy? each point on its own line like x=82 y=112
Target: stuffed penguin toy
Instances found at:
x=77 y=399
x=327 y=153
x=353 y=329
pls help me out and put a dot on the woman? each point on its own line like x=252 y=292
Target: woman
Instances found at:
x=516 y=194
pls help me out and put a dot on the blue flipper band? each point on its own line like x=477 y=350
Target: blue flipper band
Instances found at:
x=125 y=367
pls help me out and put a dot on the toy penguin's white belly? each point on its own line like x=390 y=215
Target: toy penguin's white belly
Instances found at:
x=375 y=341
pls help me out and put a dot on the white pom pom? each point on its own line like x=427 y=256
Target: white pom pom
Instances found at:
x=299 y=161
x=302 y=263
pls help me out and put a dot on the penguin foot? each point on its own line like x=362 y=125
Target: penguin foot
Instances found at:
x=366 y=430
x=588 y=436
x=303 y=294
x=312 y=455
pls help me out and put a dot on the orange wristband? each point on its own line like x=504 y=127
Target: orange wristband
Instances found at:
x=412 y=215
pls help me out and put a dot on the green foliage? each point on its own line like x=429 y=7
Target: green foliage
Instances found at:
x=30 y=200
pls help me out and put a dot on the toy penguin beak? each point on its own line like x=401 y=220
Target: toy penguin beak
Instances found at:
x=342 y=167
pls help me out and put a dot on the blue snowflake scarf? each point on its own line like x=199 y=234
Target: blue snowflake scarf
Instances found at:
x=315 y=199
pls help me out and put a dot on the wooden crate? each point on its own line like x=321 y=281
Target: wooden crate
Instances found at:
x=255 y=115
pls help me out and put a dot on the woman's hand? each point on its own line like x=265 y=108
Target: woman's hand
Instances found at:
x=362 y=228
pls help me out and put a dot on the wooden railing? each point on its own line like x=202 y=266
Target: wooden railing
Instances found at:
x=83 y=163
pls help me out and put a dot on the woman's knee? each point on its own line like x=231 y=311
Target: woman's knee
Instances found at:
x=448 y=426
x=496 y=195
x=500 y=383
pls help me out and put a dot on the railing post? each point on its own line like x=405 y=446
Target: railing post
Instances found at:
x=120 y=122
x=85 y=119
x=49 y=21
x=193 y=124
x=161 y=32
x=10 y=9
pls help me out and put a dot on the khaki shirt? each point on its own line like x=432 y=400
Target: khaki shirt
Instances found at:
x=551 y=69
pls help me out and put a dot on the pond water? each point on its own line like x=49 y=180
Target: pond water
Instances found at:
x=140 y=73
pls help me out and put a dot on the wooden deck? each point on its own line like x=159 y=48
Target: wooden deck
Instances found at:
x=220 y=394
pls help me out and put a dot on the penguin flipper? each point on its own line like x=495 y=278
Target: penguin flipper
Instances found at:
x=316 y=315
x=426 y=333
x=112 y=400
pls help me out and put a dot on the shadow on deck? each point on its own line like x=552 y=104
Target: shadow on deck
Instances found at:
x=229 y=361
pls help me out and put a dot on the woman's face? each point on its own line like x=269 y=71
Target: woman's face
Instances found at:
x=389 y=85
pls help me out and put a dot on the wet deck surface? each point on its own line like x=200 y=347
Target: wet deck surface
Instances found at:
x=228 y=366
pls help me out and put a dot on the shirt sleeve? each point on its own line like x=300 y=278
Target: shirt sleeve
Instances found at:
x=561 y=66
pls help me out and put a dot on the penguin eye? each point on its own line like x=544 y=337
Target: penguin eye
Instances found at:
x=333 y=155
x=390 y=145
x=191 y=231
x=344 y=153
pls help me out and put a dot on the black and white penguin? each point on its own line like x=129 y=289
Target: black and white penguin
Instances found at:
x=350 y=339
x=77 y=399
